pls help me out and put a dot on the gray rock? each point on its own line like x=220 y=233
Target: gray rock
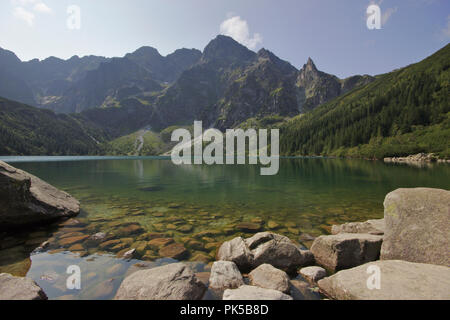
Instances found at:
x=254 y=293
x=130 y=254
x=417 y=226
x=16 y=288
x=313 y=274
x=26 y=199
x=237 y=251
x=400 y=280
x=278 y=251
x=225 y=275
x=346 y=250
x=170 y=282
x=269 y=277
x=371 y=226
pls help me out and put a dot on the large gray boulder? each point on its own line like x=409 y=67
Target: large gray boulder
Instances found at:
x=171 y=282
x=16 y=288
x=278 y=251
x=265 y=247
x=346 y=250
x=236 y=251
x=417 y=226
x=254 y=293
x=26 y=199
x=399 y=280
x=225 y=275
x=371 y=226
x=269 y=277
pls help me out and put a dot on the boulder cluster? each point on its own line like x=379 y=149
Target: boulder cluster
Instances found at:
x=402 y=256
x=407 y=250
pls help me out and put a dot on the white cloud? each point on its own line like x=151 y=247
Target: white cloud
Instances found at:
x=42 y=8
x=386 y=14
x=23 y=10
x=238 y=29
x=22 y=14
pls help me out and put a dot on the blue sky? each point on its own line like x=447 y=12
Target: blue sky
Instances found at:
x=332 y=32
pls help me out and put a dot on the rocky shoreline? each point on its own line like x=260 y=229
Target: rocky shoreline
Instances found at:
x=416 y=159
x=408 y=248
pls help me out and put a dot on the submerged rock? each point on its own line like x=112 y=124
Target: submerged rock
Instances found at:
x=254 y=293
x=399 y=280
x=371 y=226
x=266 y=276
x=175 y=251
x=171 y=282
x=15 y=288
x=346 y=250
x=417 y=226
x=26 y=199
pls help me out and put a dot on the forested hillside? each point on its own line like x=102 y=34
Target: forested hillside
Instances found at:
x=26 y=130
x=402 y=112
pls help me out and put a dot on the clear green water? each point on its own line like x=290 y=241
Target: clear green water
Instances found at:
x=202 y=204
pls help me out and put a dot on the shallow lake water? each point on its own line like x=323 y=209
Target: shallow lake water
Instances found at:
x=136 y=200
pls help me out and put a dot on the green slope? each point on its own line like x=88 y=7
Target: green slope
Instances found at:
x=402 y=112
x=26 y=130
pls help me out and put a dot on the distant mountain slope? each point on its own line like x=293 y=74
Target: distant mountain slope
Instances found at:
x=400 y=113
x=26 y=130
x=231 y=84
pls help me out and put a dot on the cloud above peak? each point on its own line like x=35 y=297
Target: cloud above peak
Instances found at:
x=23 y=14
x=238 y=29
x=25 y=10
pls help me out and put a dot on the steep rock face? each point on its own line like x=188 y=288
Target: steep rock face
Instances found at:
x=25 y=199
x=165 y=69
x=103 y=83
x=317 y=87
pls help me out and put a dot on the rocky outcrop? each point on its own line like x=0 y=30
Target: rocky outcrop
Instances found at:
x=254 y=293
x=371 y=226
x=420 y=157
x=16 y=288
x=313 y=274
x=399 y=280
x=26 y=199
x=171 y=282
x=225 y=275
x=265 y=247
x=266 y=276
x=417 y=226
x=346 y=250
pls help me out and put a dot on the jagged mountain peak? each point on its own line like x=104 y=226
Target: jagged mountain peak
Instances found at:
x=310 y=66
x=226 y=50
x=284 y=66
